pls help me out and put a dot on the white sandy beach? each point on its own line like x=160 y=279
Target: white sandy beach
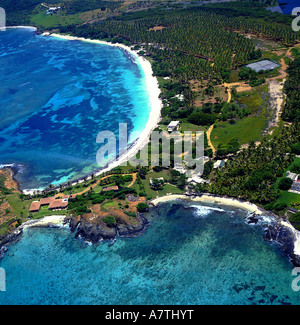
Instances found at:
x=155 y=102
x=153 y=91
x=26 y=27
x=205 y=198
x=49 y=221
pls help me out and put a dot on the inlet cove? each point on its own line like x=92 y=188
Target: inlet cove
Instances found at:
x=191 y=253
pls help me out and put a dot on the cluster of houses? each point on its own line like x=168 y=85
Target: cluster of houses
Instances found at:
x=295 y=188
x=52 y=203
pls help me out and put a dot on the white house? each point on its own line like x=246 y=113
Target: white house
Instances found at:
x=219 y=164
x=173 y=126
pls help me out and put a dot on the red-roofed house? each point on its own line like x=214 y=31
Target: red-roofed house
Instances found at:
x=58 y=204
x=46 y=200
x=35 y=206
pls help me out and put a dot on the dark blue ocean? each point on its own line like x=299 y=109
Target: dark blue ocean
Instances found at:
x=287 y=6
x=190 y=254
x=56 y=96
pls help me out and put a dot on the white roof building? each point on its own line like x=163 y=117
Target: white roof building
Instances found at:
x=292 y=176
x=173 y=126
x=219 y=164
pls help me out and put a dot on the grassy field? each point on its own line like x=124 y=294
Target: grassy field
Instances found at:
x=191 y=127
x=291 y=199
x=50 y=21
x=250 y=127
x=19 y=207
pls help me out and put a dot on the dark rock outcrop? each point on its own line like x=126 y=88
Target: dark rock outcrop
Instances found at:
x=285 y=237
x=94 y=230
x=73 y=222
x=132 y=230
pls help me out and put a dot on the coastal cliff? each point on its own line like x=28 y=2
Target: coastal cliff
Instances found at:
x=95 y=230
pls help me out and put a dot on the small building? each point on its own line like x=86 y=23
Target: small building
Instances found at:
x=160 y=179
x=110 y=188
x=296 y=187
x=58 y=204
x=197 y=180
x=179 y=97
x=46 y=200
x=174 y=125
x=35 y=206
x=263 y=65
x=181 y=169
x=52 y=10
x=219 y=164
x=292 y=176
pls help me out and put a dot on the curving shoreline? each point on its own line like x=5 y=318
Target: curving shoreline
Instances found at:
x=277 y=229
x=282 y=226
x=206 y=198
x=152 y=87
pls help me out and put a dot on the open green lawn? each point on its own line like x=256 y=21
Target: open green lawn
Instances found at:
x=46 y=212
x=250 y=127
x=51 y=21
x=17 y=205
x=291 y=199
x=109 y=204
x=191 y=127
x=245 y=130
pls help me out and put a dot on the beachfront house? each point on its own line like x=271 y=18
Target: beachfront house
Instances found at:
x=197 y=180
x=46 y=200
x=59 y=204
x=174 y=125
x=35 y=207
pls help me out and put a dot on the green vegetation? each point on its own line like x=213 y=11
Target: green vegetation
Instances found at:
x=48 y=21
x=142 y=207
x=109 y=220
x=252 y=76
x=291 y=110
x=250 y=127
x=285 y=183
x=253 y=172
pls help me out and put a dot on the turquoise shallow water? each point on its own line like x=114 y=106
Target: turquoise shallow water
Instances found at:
x=190 y=254
x=57 y=96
